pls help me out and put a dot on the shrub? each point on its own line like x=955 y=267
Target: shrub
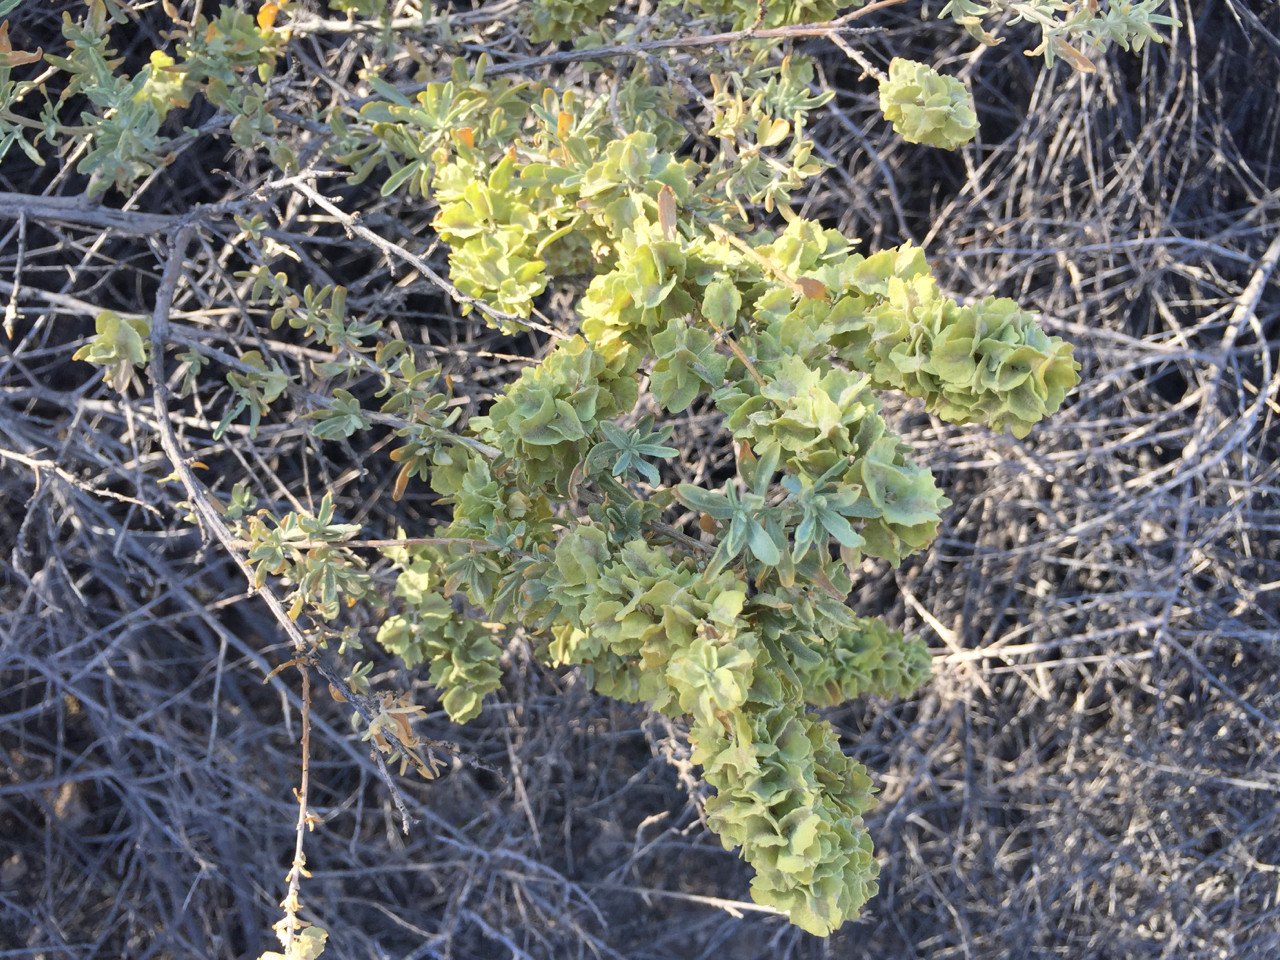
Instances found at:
x=697 y=284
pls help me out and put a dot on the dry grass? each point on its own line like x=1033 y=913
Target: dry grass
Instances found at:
x=1093 y=772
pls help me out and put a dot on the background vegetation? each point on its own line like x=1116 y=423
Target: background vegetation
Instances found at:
x=1092 y=772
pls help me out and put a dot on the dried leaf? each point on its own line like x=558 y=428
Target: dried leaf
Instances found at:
x=1073 y=56
x=575 y=483
x=667 y=212
x=402 y=482
x=8 y=58
x=813 y=289
x=403 y=730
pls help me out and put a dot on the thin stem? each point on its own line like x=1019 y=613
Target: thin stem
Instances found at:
x=208 y=516
x=292 y=903
x=37 y=125
x=746 y=361
x=351 y=225
x=376 y=544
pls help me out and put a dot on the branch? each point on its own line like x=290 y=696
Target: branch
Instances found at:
x=830 y=29
x=292 y=904
x=307 y=25
x=69 y=304
x=315 y=399
x=364 y=707
x=372 y=544
x=72 y=479
x=81 y=212
x=207 y=514
x=658 y=527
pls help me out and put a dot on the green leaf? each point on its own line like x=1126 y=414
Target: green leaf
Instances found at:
x=706 y=501
x=766 y=466
x=762 y=545
x=388 y=91
x=344 y=419
x=400 y=176
x=839 y=528
x=721 y=303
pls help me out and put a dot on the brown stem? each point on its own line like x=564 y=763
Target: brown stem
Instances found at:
x=746 y=361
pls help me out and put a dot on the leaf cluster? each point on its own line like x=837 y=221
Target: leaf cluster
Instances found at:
x=1085 y=23
x=119 y=345
x=925 y=106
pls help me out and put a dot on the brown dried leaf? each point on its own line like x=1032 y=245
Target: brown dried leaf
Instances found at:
x=813 y=289
x=402 y=482
x=1073 y=56
x=10 y=58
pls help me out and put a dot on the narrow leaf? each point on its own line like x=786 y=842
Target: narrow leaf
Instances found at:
x=399 y=177
x=705 y=501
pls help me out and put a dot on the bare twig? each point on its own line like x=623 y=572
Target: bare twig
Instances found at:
x=64 y=474
x=82 y=212
x=11 y=308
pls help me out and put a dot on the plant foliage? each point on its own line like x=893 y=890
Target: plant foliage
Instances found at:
x=699 y=286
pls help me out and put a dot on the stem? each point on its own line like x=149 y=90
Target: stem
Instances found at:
x=639 y=49
x=746 y=361
x=206 y=513
x=351 y=225
x=292 y=904
x=376 y=544
x=37 y=125
x=829 y=29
